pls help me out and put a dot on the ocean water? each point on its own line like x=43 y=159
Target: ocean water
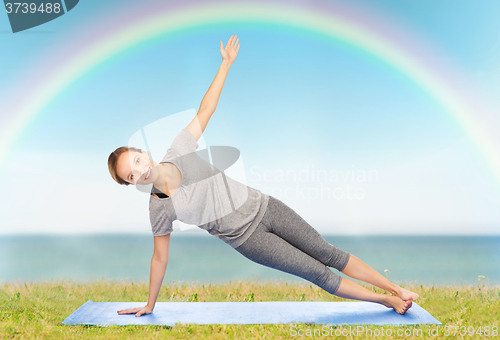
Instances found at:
x=430 y=260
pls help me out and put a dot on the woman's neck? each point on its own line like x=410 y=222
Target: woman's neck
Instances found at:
x=161 y=183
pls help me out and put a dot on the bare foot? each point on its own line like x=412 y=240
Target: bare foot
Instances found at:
x=405 y=294
x=399 y=305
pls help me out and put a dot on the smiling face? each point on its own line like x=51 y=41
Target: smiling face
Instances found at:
x=136 y=168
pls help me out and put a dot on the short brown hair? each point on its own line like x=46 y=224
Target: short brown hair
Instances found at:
x=113 y=159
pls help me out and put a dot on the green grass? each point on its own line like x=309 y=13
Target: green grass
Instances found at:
x=36 y=310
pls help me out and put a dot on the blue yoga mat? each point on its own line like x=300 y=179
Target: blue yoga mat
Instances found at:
x=325 y=313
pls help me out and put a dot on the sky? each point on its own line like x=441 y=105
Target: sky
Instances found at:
x=347 y=140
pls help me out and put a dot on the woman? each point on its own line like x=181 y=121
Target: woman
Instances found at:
x=258 y=226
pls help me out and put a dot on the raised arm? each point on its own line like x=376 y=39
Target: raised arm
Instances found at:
x=211 y=98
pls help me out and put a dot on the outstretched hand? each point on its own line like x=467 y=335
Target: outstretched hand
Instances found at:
x=137 y=310
x=231 y=51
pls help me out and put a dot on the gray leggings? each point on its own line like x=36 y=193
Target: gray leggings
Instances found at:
x=284 y=241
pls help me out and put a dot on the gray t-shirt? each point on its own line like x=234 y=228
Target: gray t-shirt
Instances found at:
x=206 y=197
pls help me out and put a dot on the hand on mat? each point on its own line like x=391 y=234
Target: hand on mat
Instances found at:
x=137 y=310
x=231 y=51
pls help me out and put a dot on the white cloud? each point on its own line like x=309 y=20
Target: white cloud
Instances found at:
x=445 y=193
x=68 y=193
x=448 y=192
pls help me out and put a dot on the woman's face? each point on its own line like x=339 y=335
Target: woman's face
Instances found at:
x=136 y=168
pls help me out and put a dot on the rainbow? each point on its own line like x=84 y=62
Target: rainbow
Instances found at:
x=336 y=25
